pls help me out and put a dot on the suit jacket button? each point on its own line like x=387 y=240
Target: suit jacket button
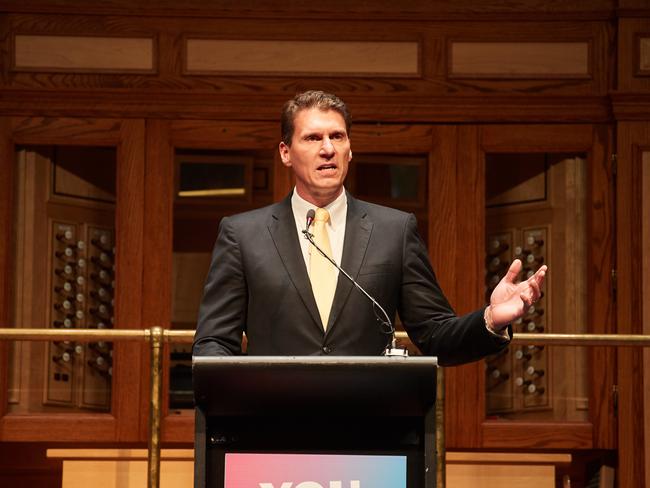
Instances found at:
x=327 y=349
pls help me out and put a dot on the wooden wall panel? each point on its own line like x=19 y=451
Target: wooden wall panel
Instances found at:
x=596 y=142
x=307 y=58
x=83 y=53
x=538 y=435
x=643 y=46
x=540 y=138
x=158 y=237
x=456 y=203
x=465 y=422
x=469 y=258
x=129 y=257
x=45 y=130
x=7 y=165
x=511 y=60
x=335 y=9
x=443 y=236
x=634 y=443
x=26 y=464
x=631 y=100
x=283 y=179
x=601 y=317
x=559 y=90
x=395 y=138
x=629 y=7
x=224 y=134
x=634 y=54
x=645 y=293
x=128 y=136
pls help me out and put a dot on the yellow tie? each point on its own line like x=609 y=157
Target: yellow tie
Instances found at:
x=322 y=273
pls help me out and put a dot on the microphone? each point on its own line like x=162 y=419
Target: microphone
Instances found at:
x=311 y=215
x=385 y=323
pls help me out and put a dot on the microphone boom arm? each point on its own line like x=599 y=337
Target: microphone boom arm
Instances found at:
x=386 y=323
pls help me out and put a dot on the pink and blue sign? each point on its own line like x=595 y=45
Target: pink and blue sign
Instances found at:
x=244 y=470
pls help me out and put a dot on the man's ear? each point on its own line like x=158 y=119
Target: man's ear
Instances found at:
x=350 y=156
x=284 y=154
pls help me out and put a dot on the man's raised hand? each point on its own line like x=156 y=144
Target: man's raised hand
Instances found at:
x=510 y=300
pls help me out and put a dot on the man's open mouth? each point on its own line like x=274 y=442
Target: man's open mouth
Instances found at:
x=326 y=166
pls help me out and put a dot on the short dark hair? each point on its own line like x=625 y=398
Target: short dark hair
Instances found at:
x=311 y=99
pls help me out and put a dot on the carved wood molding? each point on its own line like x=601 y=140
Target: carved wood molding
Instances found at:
x=78 y=103
x=538 y=435
x=335 y=9
x=633 y=13
x=631 y=106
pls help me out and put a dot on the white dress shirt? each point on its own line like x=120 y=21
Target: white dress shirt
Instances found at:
x=338 y=211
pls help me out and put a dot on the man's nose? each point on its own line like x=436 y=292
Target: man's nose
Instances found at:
x=327 y=147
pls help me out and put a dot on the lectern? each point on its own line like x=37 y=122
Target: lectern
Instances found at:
x=314 y=421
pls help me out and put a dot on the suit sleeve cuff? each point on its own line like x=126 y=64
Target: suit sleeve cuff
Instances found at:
x=501 y=334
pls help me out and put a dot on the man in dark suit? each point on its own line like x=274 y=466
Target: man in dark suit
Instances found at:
x=269 y=282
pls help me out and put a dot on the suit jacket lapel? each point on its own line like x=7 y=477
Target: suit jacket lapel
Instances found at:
x=283 y=232
x=357 y=235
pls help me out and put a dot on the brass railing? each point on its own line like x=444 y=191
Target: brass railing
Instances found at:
x=157 y=336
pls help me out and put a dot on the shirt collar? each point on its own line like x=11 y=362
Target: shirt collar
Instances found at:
x=337 y=209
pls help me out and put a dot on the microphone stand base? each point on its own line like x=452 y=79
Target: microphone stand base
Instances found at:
x=395 y=352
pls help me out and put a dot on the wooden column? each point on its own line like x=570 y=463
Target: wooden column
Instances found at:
x=633 y=302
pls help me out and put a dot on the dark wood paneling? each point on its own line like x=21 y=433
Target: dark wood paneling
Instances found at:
x=537 y=435
x=596 y=143
x=379 y=9
x=7 y=163
x=129 y=226
x=469 y=260
x=629 y=31
x=443 y=239
x=391 y=138
x=601 y=210
x=631 y=106
x=26 y=464
x=128 y=136
x=45 y=130
x=283 y=178
x=456 y=225
x=632 y=6
x=158 y=241
x=227 y=135
x=179 y=428
x=78 y=427
x=536 y=138
x=159 y=205
x=443 y=234
x=170 y=93
x=632 y=140
x=475 y=108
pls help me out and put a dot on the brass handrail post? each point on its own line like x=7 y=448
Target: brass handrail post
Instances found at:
x=153 y=460
x=440 y=429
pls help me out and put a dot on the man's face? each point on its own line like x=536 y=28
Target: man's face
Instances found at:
x=319 y=154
